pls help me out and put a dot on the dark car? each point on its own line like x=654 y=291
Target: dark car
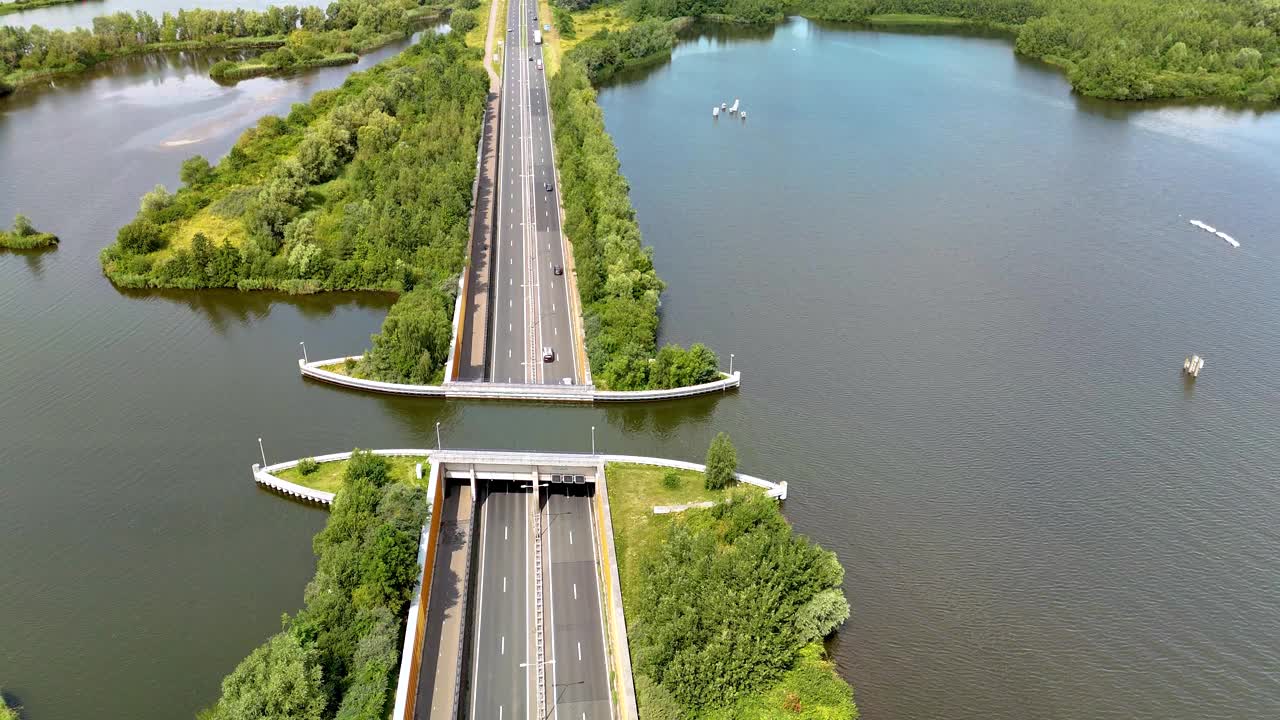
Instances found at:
x=557 y=270
x=546 y=186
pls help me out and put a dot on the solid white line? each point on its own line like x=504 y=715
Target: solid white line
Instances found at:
x=551 y=610
x=484 y=515
x=604 y=637
x=503 y=651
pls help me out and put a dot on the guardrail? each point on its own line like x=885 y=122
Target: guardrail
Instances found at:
x=504 y=391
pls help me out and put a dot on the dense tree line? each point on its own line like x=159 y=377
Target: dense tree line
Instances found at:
x=336 y=657
x=605 y=53
x=345 y=26
x=1117 y=49
x=732 y=604
x=615 y=275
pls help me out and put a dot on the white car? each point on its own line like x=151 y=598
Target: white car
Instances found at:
x=548 y=354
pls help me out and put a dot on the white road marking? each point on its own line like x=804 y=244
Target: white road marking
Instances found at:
x=579 y=652
x=575 y=591
x=570 y=537
x=504 y=583
x=504 y=645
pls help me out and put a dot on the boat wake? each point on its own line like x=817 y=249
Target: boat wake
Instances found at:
x=1209 y=228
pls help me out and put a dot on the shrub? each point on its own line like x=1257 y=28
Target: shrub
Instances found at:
x=671 y=480
x=140 y=236
x=195 y=169
x=722 y=463
x=308 y=466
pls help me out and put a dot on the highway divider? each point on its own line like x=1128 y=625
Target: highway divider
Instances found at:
x=502 y=391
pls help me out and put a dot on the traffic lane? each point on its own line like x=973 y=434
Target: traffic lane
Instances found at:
x=499 y=685
x=554 y=306
x=581 y=669
x=509 y=315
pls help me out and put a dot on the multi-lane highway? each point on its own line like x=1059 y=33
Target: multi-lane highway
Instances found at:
x=579 y=676
x=531 y=313
x=503 y=677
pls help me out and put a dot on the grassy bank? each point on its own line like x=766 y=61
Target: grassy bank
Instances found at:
x=22 y=236
x=327 y=476
x=17 y=6
x=694 y=589
x=6 y=712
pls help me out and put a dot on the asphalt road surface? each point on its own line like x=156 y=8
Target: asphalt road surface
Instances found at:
x=579 y=675
x=530 y=302
x=501 y=689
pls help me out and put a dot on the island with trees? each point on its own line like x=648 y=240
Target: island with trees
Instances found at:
x=365 y=187
x=293 y=38
x=23 y=236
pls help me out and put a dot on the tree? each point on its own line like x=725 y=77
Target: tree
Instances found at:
x=722 y=463
x=140 y=236
x=278 y=681
x=462 y=21
x=22 y=226
x=196 y=171
x=158 y=199
x=820 y=617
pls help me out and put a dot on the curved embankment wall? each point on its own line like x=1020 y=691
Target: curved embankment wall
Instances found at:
x=502 y=391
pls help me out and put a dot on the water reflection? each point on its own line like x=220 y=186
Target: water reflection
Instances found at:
x=224 y=308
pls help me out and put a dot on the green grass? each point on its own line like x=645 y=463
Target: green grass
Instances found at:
x=591 y=21
x=328 y=477
x=27 y=242
x=633 y=491
x=913 y=19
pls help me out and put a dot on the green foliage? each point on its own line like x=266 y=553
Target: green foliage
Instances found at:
x=462 y=21
x=196 y=171
x=564 y=21
x=365 y=187
x=278 y=681
x=308 y=37
x=722 y=463
x=24 y=236
x=308 y=466
x=140 y=236
x=156 y=200
x=715 y=620
x=606 y=53
x=615 y=276
x=672 y=480
x=1116 y=49
x=413 y=346
x=6 y=712
x=820 y=617
x=337 y=654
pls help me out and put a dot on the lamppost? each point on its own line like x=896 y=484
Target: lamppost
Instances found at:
x=731 y=364
x=264 y=453
x=593 y=439
x=438 y=443
x=304 y=352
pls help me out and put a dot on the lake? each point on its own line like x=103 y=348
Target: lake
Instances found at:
x=960 y=298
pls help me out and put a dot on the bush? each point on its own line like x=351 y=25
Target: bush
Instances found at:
x=308 y=466
x=280 y=679
x=140 y=236
x=195 y=169
x=722 y=463
x=671 y=480
x=462 y=21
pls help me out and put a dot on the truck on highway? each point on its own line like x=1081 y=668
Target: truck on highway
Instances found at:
x=537 y=37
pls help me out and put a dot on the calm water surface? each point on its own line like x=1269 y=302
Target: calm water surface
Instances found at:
x=959 y=296
x=82 y=13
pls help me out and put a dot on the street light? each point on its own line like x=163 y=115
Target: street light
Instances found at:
x=730 y=364
x=264 y=453
x=593 y=439
x=304 y=352
x=438 y=443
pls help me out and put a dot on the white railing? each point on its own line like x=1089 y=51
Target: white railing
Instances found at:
x=504 y=391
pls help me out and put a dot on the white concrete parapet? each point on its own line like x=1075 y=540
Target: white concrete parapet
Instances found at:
x=411 y=628
x=503 y=391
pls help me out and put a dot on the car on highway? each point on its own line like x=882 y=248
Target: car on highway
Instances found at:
x=557 y=270
x=546 y=186
x=539 y=64
x=566 y=381
x=548 y=354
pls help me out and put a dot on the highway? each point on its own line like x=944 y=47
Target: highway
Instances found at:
x=579 y=674
x=501 y=689
x=529 y=301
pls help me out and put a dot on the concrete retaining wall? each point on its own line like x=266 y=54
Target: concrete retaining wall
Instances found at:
x=624 y=684
x=502 y=391
x=410 y=658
